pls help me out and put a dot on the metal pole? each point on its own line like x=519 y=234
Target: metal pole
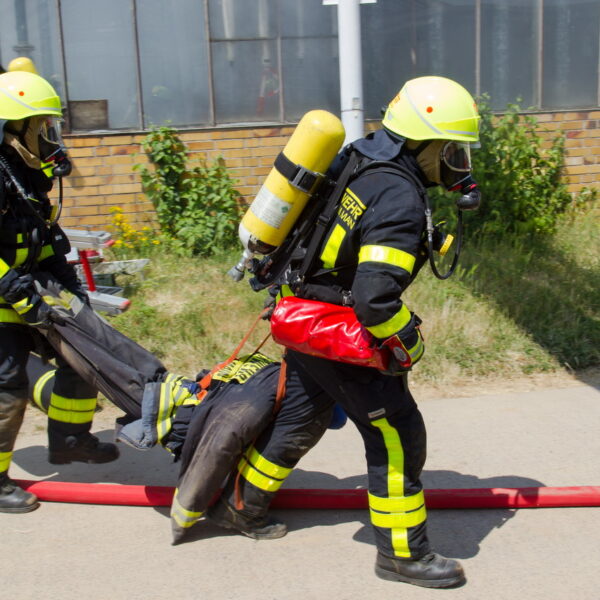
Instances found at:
x=349 y=44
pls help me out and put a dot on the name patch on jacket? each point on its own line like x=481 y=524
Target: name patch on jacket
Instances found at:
x=243 y=368
x=351 y=209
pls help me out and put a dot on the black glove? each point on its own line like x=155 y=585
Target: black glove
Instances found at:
x=82 y=295
x=15 y=287
x=406 y=347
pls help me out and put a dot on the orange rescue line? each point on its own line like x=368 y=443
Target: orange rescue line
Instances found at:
x=205 y=381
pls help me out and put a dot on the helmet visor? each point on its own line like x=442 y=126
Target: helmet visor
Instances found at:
x=49 y=138
x=457 y=156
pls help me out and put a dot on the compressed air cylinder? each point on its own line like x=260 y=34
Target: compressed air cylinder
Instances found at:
x=312 y=147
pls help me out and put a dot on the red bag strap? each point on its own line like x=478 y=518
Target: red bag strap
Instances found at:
x=205 y=381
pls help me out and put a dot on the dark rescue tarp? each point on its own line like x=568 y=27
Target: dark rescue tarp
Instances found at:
x=217 y=432
x=113 y=363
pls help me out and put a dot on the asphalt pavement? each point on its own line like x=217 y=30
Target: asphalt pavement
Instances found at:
x=548 y=437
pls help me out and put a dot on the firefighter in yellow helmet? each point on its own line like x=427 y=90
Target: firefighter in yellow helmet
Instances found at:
x=373 y=248
x=33 y=249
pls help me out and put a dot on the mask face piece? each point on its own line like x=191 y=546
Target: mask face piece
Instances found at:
x=429 y=160
x=38 y=142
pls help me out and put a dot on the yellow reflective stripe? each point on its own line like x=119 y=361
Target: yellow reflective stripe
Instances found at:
x=250 y=474
x=172 y=395
x=182 y=516
x=332 y=248
x=266 y=466
x=391 y=439
x=71 y=410
x=417 y=350
x=391 y=326
x=163 y=422
x=396 y=517
x=22 y=306
x=388 y=256
x=38 y=388
x=397 y=503
x=400 y=542
x=8 y=315
x=4 y=268
x=46 y=252
x=21 y=256
x=399 y=520
x=5 y=458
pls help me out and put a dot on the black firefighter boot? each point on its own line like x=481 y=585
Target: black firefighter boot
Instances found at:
x=431 y=570
x=82 y=447
x=257 y=528
x=13 y=499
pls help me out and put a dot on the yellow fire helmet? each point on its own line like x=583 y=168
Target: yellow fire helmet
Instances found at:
x=22 y=63
x=430 y=108
x=24 y=94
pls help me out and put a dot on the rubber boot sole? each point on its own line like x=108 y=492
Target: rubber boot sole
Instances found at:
x=428 y=583
x=20 y=509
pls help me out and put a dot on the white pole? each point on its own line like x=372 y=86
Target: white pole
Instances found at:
x=350 y=55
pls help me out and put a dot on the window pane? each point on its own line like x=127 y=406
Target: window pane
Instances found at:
x=100 y=59
x=309 y=54
x=30 y=28
x=247 y=19
x=245 y=61
x=174 y=62
x=402 y=39
x=509 y=51
x=246 y=81
x=571 y=29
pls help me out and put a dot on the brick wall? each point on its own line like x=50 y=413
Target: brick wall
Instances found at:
x=103 y=177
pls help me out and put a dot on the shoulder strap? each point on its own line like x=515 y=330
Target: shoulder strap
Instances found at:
x=327 y=214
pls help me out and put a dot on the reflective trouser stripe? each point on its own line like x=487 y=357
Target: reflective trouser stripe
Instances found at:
x=387 y=255
x=332 y=248
x=5 y=458
x=397 y=504
x=71 y=410
x=266 y=466
x=391 y=326
x=396 y=512
x=39 y=386
x=261 y=472
x=183 y=517
x=172 y=395
x=397 y=520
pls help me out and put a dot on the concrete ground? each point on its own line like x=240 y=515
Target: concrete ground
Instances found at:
x=547 y=437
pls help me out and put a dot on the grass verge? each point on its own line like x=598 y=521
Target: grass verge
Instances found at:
x=515 y=307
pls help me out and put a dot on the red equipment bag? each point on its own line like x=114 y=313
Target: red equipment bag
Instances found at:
x=325 y=330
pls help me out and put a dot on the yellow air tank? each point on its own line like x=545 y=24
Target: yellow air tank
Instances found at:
x=307 y=155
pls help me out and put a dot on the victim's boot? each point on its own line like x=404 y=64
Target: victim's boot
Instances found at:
x=431 y=570
x=257 y=528
x=13 y=499
x=81 y=447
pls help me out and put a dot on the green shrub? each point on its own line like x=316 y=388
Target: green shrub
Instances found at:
x=198 y=207
x=520 y=180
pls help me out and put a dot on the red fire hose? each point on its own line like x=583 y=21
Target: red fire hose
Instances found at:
x=148 y=495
